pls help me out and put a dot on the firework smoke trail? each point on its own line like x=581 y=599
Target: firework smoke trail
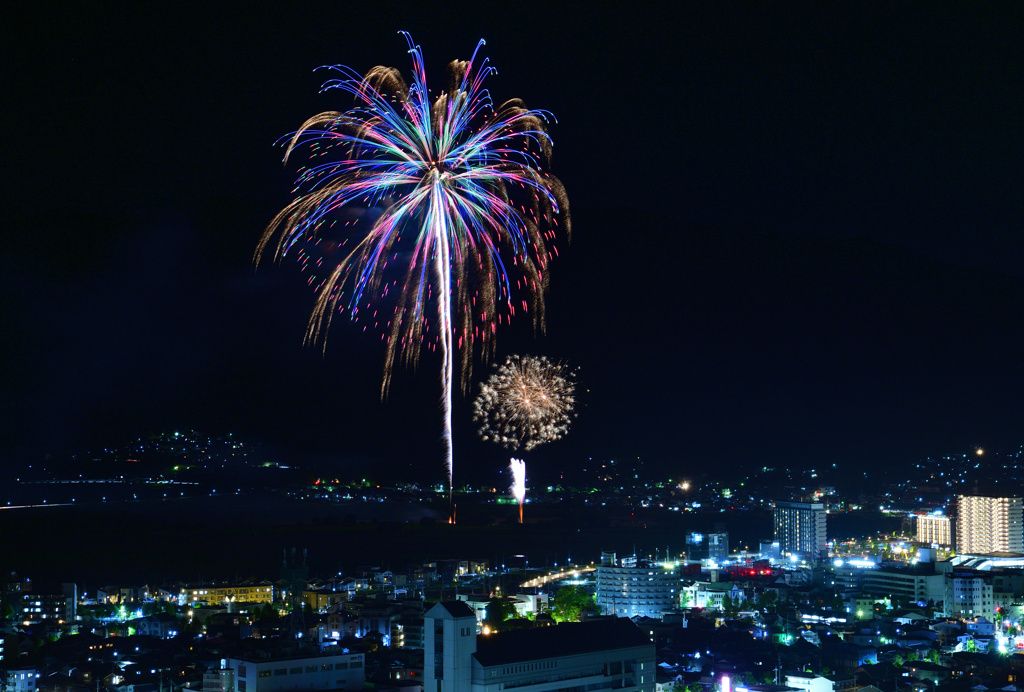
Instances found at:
x=518 y=469
x=443 y=259
x=457 y=192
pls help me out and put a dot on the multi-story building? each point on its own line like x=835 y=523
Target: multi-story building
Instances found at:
x=321 y=600
x=713 y=546
x=989 y=525
x=718 y=546
x=848 y=575
x=310 y=673
x=969 y=594
x=160 y=625
x=628 y=592
x=610 y=653
x=219 y=595
x=37 y=606
x=20 y=679
x=712 y=595
x=409 y=632
x=934 y=529
x=800 y=529
x=917 y=582
x=221 y=680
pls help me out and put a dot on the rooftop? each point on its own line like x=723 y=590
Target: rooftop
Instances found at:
x=567 y=639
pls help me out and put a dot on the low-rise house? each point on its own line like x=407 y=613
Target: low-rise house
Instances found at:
x=842 y=682
x=809 y=682
x=20 y=679
x=924 y=670
x=884 y=676
x=980 y=627
x=160 y=625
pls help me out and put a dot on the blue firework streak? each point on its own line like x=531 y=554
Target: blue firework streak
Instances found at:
x=460 y=202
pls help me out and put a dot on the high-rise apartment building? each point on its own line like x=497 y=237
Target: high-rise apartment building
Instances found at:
x=934 y=529
x=986 y=525
x=645 y=591
x=800 y=528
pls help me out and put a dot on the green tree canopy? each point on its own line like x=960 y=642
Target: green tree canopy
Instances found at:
x=498 y=610
x=570 y=602
x=730 y=607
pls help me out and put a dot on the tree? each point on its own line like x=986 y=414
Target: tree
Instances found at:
x=265 y=612
x=932 y=656
x=730 y=607
x=498 y=610
x=687 y=687
x=749 y=679
x=768 y=600
x=897 y=660
x=569 y=604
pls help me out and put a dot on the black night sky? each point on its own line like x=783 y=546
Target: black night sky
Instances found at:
x=797 y=237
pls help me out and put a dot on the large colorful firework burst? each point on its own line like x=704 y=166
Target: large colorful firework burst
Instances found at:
x=527 y=402
x=450 y=191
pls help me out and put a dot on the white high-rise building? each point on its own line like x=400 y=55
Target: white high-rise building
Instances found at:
x=629 y=592
x=449 y=636
x=986 y=525
x=934 y=529
x=800 y=529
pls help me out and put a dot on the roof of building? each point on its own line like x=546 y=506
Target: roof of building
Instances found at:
x=456 y=609
x=568 y=639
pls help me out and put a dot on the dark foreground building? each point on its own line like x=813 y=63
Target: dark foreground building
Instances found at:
x=610 y=652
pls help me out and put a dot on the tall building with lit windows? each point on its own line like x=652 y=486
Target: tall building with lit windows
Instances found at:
x=800 y=529
x=969 y=594
x=934 y=529
x=645 y=591
x=986 y=525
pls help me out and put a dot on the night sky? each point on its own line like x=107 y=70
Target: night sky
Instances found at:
x=797 y=237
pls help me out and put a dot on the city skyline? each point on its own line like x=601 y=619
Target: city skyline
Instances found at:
x=796 y=237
